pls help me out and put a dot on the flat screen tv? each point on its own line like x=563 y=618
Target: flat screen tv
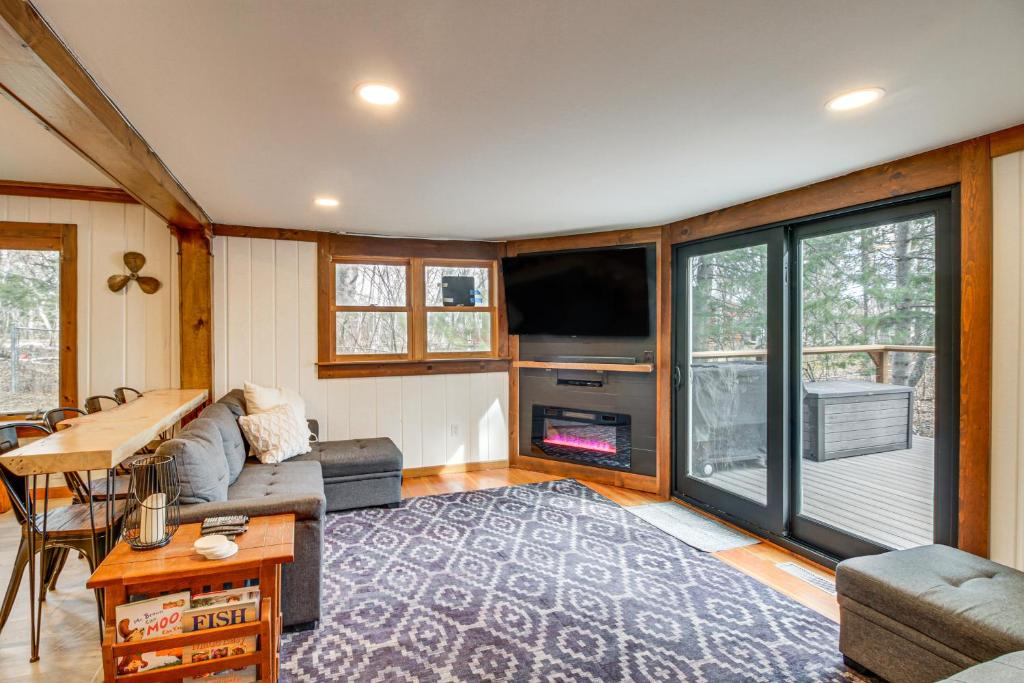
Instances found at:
x=593 y=293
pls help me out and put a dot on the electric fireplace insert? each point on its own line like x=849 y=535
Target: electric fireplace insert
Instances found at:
x=587 y=437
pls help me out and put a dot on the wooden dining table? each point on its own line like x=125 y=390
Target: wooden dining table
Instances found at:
x=96 y=442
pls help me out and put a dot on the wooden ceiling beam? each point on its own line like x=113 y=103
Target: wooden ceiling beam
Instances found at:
x=44 y=77
x=89 y=193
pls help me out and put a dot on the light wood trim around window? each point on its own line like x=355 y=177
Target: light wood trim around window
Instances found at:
x=417 y=361
x=334 y=309
x=491 y=307
x=61 y=237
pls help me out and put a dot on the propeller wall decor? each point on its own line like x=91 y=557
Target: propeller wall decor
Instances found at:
x=134 y=262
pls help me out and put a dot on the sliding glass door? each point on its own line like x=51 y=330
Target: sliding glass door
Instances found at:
x=871 y=372
x=729 y=376
x=815 y=374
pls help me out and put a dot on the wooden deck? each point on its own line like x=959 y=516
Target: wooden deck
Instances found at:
x=882 y=497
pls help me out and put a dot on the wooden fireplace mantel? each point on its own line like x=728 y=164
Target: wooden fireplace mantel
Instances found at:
x=595 y=367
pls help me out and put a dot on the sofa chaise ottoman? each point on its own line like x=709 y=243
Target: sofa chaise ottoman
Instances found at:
x=927 y=613
x=356 y=473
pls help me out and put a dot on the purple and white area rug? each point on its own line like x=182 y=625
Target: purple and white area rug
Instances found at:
x=544 y=582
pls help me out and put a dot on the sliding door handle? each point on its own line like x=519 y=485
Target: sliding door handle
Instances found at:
x=677 y=377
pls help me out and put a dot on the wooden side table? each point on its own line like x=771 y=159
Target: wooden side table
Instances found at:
x=127 y=574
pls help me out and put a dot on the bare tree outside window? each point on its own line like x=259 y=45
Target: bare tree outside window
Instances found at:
x=29 y=330
x=370 y=284
x=458 y=332
x=371 y=332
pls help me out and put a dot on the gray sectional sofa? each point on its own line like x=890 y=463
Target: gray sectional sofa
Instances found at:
x=219 y=478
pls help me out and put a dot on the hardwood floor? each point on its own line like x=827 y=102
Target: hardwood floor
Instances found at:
x=70 y=649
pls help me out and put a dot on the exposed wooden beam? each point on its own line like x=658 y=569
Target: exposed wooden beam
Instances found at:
x=196 y=310
x=43 y=76
x=340 y=244
x=609 y=238
x=1007 y=141
x=87 y=193
x=904 y=176
x=294 y=234
x=975 y=344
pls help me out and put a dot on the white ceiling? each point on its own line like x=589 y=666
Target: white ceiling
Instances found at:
x=531 y=117
x=30 y=153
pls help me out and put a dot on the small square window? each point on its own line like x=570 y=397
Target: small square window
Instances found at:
x=458 y=332
x=369 y=284
x=366 y=333
x=457 y=286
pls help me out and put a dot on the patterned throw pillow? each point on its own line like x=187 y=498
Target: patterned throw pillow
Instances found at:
x=275 y=435
x=260 y=399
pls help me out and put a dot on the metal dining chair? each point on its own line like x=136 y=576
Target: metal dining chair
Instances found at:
x=67 y=528
x=122 y=397
x=55 y=416
x=94 y=404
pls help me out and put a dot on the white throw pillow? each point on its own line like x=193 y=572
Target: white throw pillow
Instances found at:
x=261 y=399
x=273 y=435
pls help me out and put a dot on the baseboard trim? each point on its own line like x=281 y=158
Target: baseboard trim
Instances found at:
x=414 y=472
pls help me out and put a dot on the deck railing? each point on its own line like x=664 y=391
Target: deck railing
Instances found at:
x=879 y=354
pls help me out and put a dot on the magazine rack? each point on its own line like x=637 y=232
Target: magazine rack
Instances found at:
x=128 y=574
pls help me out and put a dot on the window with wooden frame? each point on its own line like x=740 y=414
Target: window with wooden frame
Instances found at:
x=406 y=311
x=461 y=315
x=38 y=313
x=371 y=305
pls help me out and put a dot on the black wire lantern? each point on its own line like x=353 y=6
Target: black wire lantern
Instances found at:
x=153 y=511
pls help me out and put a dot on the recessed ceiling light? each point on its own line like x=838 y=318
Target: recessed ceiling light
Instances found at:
x=377 y=93
x=327 y=202
x=855 y=99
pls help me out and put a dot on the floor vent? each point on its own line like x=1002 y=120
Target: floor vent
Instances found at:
x=826 y=584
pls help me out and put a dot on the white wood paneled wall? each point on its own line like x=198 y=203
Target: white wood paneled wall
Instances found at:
x=126 y=338
x=1006 y=539
x=264 y=304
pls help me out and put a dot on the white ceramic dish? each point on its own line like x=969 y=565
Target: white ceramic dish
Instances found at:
x=210 y=544
x=222 y=553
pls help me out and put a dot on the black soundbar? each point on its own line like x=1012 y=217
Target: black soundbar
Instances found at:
x=613 y=360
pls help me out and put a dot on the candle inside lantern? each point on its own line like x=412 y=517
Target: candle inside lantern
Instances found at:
x=153 y=522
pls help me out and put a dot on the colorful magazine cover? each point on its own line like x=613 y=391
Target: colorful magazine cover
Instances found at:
x=219 y=649
x=246 y=675
x=214 y=610
x=146 y=619
x=244 y=594
x=218 y=615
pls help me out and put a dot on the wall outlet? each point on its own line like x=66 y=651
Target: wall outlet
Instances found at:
x=453 y=430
